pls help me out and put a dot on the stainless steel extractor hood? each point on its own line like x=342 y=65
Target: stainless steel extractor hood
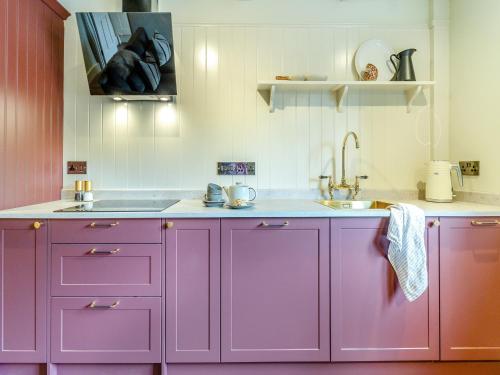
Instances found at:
x=129 y=55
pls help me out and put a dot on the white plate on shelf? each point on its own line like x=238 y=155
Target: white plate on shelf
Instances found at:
x=378 y=53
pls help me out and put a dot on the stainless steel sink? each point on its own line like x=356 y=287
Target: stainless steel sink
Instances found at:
x=355 y=205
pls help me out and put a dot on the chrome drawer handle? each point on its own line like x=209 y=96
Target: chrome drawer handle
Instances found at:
x=95 y=306
x=485 y=223
x=267 y=225
x=111 y=225
x=103 y=252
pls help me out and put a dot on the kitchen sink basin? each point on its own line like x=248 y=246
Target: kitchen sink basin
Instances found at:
x=355 y=205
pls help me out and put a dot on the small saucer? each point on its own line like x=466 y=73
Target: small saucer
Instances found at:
x=248 y=205
x=213 y=203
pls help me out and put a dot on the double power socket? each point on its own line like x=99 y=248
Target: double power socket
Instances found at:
x=470 y=168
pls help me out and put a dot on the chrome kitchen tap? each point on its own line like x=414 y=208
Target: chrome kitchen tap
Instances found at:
x=332 y=185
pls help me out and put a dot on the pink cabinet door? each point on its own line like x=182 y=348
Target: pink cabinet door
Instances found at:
x=193 y=291
x=275 y=290
x=371 y=318
x=106 y=270
x=106 y=330
x=470 y=289
x=23 y=262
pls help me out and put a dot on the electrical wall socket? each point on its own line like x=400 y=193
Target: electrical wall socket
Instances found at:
x=77 y=167
x=470 y=168
x=236 y=168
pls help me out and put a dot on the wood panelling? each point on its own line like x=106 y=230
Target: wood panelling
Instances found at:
x=31 y=102
x=57 y=8
x=220 y=116
x=3 y=60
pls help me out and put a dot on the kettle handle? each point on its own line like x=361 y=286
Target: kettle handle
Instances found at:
x=393 y=63
x=460 y=176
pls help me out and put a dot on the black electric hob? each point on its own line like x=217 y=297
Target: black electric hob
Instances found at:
x=122 y=206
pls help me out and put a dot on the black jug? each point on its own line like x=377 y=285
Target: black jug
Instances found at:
x=404 y=70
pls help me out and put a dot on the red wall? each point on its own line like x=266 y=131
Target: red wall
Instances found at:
x=31 y=101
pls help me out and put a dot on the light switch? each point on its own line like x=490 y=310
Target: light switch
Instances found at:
x=77 y=167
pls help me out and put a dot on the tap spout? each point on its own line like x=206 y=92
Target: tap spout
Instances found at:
x=344 y=144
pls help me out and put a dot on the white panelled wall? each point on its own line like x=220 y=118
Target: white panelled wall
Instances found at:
x=219 y=115
x=474 y=103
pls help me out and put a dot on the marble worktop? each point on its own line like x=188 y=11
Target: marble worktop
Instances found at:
x=194 y=208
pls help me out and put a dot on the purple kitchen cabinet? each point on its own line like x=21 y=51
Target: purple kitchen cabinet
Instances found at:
x=193 y=291
x=371 y=318
x=106 y=231
x=470 y=289
x=23 y=276
x=275 y=290
x=106 y=330
x=106 y=270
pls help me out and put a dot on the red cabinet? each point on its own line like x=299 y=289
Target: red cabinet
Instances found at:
x=470 y=289
x=371 y=318
x=192 y=291
x=31 y=101
x=23 y=277
x=275 y=290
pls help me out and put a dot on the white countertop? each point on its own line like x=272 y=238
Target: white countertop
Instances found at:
x=191 y=208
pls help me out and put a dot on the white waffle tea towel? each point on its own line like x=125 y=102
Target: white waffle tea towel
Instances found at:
x=407 y=252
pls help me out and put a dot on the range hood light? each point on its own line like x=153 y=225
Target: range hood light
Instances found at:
x=167 y=99
x=117 y=99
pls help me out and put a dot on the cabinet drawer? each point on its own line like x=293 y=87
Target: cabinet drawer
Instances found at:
x=106 y=231
x=106 y=330
x=106 y=270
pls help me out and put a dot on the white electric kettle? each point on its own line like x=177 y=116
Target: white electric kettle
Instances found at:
x=439 y=184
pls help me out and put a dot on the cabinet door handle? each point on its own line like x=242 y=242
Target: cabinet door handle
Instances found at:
x=110 y=225
x=103 y=252
x=95 y=306
x=436 y=223
x=477 y=223
x=38 y=224
x=267 y=225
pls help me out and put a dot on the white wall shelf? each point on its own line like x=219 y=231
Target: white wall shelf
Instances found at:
x=341 y=89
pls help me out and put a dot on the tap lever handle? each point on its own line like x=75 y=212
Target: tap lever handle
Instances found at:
x=331 y=184
x=362 y=177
